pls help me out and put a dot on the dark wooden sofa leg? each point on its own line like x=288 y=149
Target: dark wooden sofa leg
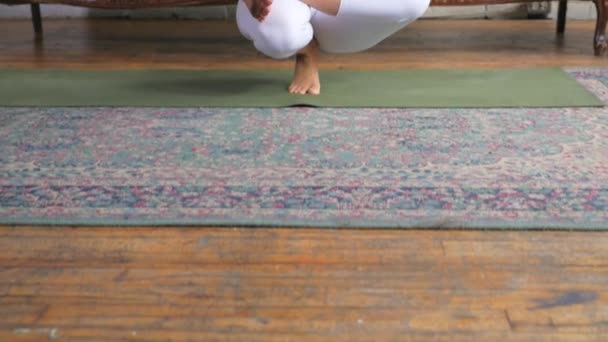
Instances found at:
x=599 y=40
x=37 y=20
x=561 y=16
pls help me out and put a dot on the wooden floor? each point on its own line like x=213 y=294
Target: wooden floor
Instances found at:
x=207 y=45
x=209 y=284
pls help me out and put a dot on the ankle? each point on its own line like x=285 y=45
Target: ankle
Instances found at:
x=304 y=57
x=309 y=53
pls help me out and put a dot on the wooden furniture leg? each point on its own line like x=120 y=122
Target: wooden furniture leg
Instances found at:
x=37 y=20
x=600 y=43
x=561 y=16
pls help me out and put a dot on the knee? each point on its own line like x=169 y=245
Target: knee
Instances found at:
x=283 y=41
x=283 y=33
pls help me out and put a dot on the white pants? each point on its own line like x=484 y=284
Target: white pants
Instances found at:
x=358 y=26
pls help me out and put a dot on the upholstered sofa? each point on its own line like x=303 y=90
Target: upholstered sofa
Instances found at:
x=600 y=44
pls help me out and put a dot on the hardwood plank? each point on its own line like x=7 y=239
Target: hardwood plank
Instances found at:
x=156 y=246
x=119 y=44
x=91 y=334
x=303 y=283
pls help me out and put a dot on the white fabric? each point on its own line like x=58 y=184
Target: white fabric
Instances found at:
x=359 y=25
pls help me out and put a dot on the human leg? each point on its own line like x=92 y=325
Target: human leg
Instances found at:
x=306 y=73
x=361 y=24
x=285 y=30
x=342 y=26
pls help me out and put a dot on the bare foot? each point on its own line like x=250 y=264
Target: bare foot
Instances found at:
x=306 y=74
x=259 y=8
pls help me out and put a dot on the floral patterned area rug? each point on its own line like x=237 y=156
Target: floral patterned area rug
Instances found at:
x=541 y=168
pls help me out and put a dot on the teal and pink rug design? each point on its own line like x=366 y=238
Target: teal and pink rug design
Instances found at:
x=384 y=168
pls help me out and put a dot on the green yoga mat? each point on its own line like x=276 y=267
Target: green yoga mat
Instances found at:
x=538 y=87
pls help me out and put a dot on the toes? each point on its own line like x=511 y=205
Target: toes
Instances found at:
x=295 y=89
x=314 y=90
x=303 y=90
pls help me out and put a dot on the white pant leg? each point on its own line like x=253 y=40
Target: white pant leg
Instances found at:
x=361 y=24
x=285 y=31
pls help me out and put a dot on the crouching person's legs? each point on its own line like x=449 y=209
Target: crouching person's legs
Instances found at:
x=285 y=31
